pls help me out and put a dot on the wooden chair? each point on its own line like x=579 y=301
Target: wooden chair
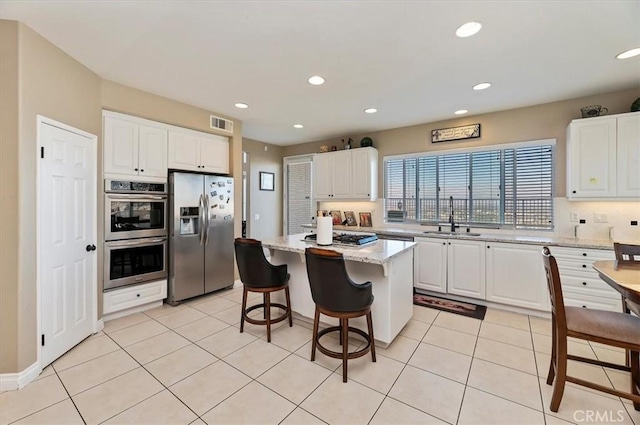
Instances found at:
x=606 y=327
x=336 y=295
x=628 y=253
x=258 y=275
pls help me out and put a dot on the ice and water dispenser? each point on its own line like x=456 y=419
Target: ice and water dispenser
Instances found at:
x=189 y=223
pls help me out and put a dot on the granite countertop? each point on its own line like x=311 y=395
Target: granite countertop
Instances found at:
x=379 y=252
x=549 y=240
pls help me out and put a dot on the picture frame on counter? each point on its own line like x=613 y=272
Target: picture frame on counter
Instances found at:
x=337 y=217
x=267 y=181
x=322 y=213
x=350 y=218
x=365 y=219
x=462 y=132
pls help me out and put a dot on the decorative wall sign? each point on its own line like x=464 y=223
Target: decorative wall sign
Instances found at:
x=455 y=133
x=266 y=181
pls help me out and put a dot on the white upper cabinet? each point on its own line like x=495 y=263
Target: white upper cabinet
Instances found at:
x=133 y=149
x=195 y=151
x=603 y=157
x=349 y=174
x=628 y=146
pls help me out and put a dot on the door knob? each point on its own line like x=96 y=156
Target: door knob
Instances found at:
x=90 y=248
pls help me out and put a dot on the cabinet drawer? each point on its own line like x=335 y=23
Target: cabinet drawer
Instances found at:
x=131 y=296
x=577 y=266
x=588 y=301
x=588 y=286
x=585 y=254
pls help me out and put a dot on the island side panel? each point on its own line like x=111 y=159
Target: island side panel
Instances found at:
x=393 y=303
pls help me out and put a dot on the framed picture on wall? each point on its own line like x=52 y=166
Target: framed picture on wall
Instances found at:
x=267 y=180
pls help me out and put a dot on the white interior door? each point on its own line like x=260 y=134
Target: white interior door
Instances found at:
x=67 y=239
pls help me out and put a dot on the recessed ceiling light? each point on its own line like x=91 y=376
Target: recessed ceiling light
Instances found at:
x=242 y=105
x=468 y=29
x=461 y=111
x=629 y=53
x=371 y=110
x=316 y=80
x=482 y=86
x=298 y=126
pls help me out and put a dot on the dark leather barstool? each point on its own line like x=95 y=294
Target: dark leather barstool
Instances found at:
x=336 y=295
x=259 y=275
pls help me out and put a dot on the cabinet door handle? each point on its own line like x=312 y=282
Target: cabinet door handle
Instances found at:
x=584 y=254
x=574 y=191
x=141 y=170
x=137 y=295
x=584 y=266
x=584 y=306
x=488 y=246
x=135 y=169
x=584 y=283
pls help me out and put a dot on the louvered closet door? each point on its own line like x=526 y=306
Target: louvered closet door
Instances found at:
x=298 y=202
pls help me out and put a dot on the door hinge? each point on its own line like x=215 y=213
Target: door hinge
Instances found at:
x=43 y=340
x=42 y=155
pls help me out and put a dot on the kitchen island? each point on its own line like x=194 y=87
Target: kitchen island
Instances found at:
x=387 y=264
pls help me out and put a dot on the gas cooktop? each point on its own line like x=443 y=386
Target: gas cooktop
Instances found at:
x=346 y=239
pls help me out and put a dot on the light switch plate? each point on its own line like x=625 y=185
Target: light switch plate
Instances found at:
x=574 y=217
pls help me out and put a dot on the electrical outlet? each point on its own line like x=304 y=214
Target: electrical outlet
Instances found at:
x=573 y=217
x=257 y=217
x=600 y=218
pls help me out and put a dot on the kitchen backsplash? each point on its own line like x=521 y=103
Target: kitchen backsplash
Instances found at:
x=601 y=218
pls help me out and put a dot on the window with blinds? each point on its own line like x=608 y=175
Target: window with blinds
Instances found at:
x=507 y=187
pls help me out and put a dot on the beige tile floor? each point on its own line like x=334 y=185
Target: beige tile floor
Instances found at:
x=190 y=364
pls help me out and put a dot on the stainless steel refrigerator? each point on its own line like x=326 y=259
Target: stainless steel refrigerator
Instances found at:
x=201 y=235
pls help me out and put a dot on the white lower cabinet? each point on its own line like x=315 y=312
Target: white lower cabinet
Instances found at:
x=133 y=296
x=581 y=284
x=466 y=268
x=446 y=266
x=515 y=276
x=430 y=264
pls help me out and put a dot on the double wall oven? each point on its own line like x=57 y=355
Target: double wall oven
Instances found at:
x=135 y=232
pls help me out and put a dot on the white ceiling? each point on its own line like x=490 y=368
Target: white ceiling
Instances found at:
x=401 y=57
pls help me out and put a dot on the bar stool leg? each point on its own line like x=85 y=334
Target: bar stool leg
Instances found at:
x=244 y=308
x=344 y=325
x=267 y=310
x=286 y=293
x=314 y=341
x=370 y=328
x=634 y=359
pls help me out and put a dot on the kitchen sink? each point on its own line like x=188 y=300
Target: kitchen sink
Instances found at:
x=446 y=233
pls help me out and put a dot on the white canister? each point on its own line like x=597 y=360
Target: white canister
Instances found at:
x=324 y=229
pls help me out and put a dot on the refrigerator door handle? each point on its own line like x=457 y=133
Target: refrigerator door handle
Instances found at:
x=201 y=218
x=207 y=218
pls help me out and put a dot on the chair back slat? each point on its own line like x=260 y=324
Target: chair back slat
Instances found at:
x=626 y=252
x=555 y=288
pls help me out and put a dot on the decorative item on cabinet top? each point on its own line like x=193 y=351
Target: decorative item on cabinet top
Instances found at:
x=593 y=111
x=635 y=106
x=347 y=145
x=366 y=142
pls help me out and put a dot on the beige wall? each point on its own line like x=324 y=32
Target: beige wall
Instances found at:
x=38 y=78
x=9 y=215
x=549 y=120
x=265 y=203
x=52 y=84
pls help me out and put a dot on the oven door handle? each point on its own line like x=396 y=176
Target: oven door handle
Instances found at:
x=142 y=197
x=137 y=242
x=201 y=218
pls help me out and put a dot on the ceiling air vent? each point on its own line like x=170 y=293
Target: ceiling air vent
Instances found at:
x=221 y=124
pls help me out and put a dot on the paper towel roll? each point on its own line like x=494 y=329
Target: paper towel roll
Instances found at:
x=324 y=229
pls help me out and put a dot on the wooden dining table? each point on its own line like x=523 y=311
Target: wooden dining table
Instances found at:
x=623 y=276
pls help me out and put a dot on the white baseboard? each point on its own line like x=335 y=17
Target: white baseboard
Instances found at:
x=15 y=381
